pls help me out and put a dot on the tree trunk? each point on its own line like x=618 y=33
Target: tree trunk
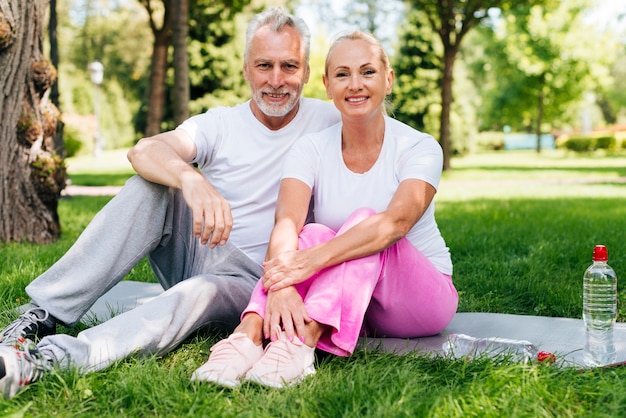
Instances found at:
x=31 y=174
x=446 y=105
x=540 y=104
x=158 y=69
x=180 y=30
x=54 y=49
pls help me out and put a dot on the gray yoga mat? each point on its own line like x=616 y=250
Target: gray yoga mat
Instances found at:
x=564 y=337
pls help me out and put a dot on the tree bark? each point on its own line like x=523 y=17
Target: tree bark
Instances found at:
x=445 y=136
x=158 y=69
x=180 y=29
x=540 y=104
x=31 y=174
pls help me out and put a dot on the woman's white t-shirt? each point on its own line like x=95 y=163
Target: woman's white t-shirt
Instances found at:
x=316 y=159
x=243 y=159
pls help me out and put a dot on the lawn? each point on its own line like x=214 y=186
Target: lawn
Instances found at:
x=521 y=229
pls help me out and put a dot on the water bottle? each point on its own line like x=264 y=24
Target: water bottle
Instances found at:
x=461 y=345
x=599 y=309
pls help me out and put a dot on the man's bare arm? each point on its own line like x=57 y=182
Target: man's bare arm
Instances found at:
x=164 y=159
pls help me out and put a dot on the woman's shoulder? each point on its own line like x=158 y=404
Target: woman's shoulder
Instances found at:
x=407 y=135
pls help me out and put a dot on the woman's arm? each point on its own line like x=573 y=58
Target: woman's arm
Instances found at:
x=285 y=307
x=370 y=236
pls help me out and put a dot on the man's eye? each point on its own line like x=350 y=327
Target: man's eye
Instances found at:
x=290 y=67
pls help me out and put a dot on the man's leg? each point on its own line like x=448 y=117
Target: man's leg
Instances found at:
x=157 y=326
x=119 y=236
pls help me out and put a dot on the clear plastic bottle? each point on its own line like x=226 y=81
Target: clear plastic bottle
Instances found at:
x=599 y=309
x=461 y=345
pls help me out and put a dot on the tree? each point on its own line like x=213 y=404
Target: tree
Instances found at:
x=451 y=20
x=537 y=63
x=31 y=174
x=180 y=29
x=158 y=68
x=418 y=77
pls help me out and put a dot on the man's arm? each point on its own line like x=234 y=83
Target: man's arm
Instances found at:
x=164 y=159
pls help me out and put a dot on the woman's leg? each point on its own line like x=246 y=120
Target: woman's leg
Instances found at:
x=412 y=298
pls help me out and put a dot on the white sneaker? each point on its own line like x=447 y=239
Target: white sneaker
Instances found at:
x=229 y=361
x=20 y=365
x=284 y=363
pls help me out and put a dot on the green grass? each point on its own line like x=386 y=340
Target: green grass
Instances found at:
x=111 y=169
x=521 y=229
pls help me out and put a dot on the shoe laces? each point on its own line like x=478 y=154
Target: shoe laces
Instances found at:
x=279 y=352
x=25 y=324
x=224 y=349
x=32 y=364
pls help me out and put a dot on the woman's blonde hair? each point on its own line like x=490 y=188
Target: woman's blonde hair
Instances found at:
x=355 y=36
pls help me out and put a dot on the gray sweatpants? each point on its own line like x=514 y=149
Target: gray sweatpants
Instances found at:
x=204 y=287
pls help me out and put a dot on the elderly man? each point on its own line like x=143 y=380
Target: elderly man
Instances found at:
x=204 y=226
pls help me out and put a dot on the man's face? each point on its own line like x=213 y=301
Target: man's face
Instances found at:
x=277 y=71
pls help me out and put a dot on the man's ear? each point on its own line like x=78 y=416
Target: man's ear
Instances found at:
x=245 y=71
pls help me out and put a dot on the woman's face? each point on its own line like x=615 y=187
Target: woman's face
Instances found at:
x=357 y=80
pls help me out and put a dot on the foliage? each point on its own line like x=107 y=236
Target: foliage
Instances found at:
x=417 y=65
x=117 y=37
x=72 y=141
x=535 y=63
x=588 y=143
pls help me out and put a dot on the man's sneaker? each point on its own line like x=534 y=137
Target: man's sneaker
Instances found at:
x=229 y=361
x=33 y=325
x=20 y=365
x=284 y=363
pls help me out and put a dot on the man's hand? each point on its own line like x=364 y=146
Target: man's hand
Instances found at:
x=212 y=218
x=287 y=308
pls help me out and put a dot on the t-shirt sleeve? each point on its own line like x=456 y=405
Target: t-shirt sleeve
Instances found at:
x=423 y=160
x=204 y=130
x=301 y=161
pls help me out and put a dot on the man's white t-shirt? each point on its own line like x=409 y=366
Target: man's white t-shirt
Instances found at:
x=316 y=159
x=242 y=159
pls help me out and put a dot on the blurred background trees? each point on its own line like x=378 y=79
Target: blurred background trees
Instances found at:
x=476 y=66
x=467 y=71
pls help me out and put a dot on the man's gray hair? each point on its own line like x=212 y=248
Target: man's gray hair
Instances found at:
x=277 y=18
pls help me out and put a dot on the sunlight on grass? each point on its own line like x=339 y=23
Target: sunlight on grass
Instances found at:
x=525 y=174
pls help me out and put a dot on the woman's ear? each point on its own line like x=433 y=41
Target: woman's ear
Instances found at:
x=325 y=80
x=390 y=77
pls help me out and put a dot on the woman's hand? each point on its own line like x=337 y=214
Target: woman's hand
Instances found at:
x=286 y=269
x=285 y=307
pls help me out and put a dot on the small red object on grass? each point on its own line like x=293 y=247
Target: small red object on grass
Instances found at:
x=544 y=356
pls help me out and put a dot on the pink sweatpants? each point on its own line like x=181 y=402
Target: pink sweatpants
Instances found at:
x=395 y=293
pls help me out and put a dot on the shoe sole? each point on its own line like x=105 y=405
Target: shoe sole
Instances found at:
x=253 y=378
x=197 y=377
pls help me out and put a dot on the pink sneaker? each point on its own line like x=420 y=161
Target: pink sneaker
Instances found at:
x=229 y=361
x=284 y=363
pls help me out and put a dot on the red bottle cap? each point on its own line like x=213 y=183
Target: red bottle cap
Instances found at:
x=600 y=253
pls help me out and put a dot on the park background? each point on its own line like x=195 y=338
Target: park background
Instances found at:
x=521 y=223
x=556 y=68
